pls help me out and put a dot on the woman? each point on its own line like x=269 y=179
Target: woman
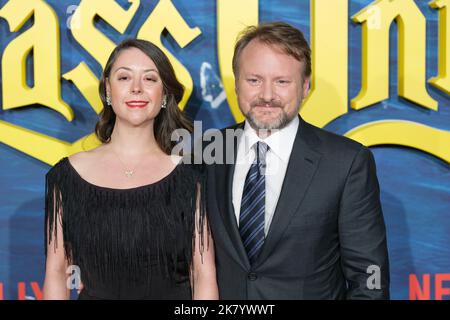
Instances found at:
x=126 y=214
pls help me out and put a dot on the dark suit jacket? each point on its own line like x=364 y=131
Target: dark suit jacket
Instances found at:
x=327 y=228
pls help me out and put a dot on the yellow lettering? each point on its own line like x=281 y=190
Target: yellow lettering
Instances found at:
x=87 y=35
x=86 y=81
x=404 y=133
x=43 y=39
x=95 y=42
x=328 y=97
x=329 y=41
x=166 y=16
x=232 y=17
x=42 y=147
x=376 y=20
x=442 y=81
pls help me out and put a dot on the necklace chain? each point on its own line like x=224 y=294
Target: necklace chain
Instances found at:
x=128 y=172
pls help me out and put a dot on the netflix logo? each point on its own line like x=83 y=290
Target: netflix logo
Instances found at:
x=422 y=288
x=25 y=291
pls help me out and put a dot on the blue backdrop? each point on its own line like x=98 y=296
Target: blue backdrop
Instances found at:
x=415 y=185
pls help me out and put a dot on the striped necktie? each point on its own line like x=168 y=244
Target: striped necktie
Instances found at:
x=251 y=219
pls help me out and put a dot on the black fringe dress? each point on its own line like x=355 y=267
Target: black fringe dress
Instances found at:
x=128 y=243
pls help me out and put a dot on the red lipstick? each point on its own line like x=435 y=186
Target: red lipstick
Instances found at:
x=136 y=104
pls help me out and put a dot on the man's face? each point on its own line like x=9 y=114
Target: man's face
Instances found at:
x=269 y=86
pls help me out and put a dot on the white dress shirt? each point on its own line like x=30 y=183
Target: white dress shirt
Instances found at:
x=280 y=144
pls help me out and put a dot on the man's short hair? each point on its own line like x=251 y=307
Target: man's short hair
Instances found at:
x=280 y=34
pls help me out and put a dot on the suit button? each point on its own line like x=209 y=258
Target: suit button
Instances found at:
x=252 y=276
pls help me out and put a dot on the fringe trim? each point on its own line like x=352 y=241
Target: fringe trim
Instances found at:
x=126 y=236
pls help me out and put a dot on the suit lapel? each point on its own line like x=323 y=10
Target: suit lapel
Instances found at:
x=302 y=165
x=224 y=196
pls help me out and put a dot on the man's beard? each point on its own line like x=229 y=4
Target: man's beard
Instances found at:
x=281 y=121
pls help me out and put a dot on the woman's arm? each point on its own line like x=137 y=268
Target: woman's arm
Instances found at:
x=203 y=276
x=204 y=269
x=55 y=283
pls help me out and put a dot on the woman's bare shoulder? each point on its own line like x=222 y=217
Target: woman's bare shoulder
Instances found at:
x=86 y=160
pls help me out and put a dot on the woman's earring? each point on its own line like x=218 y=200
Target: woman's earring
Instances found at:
x=164 y=103
x=108 y=99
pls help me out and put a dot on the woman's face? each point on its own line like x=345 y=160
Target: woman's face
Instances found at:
x=135 y=88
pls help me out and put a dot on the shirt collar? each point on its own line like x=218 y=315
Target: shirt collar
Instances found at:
x=280 y=142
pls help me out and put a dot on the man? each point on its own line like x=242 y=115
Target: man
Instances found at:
x=297 y=214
